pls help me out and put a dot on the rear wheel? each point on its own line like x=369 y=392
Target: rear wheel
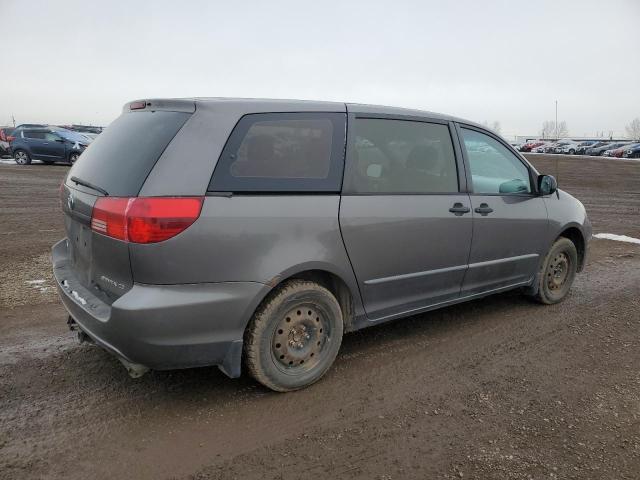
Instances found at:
x=558 y=272
x=21 y=157
x=73 y=157
x=294 y=336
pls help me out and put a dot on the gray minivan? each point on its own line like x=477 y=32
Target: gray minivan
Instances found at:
x=247 y=232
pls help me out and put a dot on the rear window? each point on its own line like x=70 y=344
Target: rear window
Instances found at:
x=120 y=158
x=283 y=152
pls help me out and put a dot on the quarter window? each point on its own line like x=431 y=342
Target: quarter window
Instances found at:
x=401 y=156
x=494 y=169
x=283 y=152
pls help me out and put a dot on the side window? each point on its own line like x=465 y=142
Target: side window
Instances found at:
x=401 y=156
x=494 y=169
x=33 y=134
x=51 y=137
x=283 y=152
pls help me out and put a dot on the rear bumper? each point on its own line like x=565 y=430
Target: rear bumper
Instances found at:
x=163 y=327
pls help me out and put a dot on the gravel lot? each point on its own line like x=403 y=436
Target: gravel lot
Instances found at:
x=498 y=388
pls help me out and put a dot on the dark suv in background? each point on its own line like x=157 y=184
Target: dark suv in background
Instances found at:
x=256 y=232
x=48 y=144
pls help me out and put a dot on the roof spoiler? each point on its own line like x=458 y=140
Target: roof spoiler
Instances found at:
x=169 y=105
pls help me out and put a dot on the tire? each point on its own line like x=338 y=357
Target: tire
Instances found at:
x=21 y=157
x=73 y=157
x=294 y=336
x=558 y=272
x=572 y=152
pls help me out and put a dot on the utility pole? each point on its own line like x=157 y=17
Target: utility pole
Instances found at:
x=13 y=119
x=556 y=120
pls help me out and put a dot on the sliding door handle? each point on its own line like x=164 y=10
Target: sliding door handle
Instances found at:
x=459 y=209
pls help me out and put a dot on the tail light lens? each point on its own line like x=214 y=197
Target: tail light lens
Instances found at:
x=144 y=220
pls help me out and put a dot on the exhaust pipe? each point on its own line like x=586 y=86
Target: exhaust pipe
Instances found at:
x=83 y=337
x=135 y=370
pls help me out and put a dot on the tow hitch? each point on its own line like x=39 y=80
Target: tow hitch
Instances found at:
x=81 y=336
x=135 y=370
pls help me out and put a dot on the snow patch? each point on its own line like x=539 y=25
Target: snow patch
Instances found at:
x=618 y=238
x=35 y=282
x=75 y=295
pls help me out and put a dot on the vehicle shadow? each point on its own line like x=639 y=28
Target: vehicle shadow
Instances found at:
x=212 y=383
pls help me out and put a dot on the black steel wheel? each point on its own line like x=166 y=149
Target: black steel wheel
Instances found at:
x=294 y=336
x=558 y=272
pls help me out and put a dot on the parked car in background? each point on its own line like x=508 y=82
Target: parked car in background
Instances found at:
x=617 y=152
x=282 y=234
x=609 y=152
x=632 y=151
x=5 y=138
x=583 y=146
x=529 y=146
x=48 y=144
x=566 y=146
x=540 y=147
x=597 y=151
x=548 y=147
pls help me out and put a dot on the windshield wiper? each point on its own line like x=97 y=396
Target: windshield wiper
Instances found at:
x=84 y=183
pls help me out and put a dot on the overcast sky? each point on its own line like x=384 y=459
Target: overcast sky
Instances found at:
x=78 y=62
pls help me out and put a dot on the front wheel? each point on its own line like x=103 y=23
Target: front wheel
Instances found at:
x=21 y=157
x=294 y=336
x=558 y=272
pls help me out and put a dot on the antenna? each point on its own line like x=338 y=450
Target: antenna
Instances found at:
x=556 y=157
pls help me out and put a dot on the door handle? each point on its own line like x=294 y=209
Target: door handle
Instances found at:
x=484 y=209
x=459 y=209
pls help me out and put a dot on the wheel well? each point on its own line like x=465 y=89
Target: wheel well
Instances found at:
x=575 y=235
x=336 y=286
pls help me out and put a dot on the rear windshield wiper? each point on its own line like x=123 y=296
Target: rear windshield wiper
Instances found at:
x=84 y=183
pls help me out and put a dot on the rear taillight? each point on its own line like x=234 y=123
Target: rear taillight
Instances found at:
x=10 y=138
x=144 y=220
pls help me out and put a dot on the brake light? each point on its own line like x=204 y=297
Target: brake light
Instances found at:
x=138 y=105
x=144 y=219
x=10 y=138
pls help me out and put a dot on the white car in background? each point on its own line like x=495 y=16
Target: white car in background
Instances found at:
x=566 y=146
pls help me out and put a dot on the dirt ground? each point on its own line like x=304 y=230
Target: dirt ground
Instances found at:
x=499 y=388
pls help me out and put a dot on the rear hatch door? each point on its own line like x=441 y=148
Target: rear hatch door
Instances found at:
x=116 y=164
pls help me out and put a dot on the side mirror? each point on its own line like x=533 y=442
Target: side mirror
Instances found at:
x=547 y=184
